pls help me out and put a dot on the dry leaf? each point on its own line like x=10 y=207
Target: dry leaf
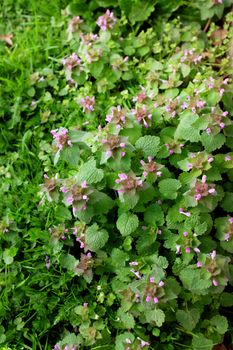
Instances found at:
x=7 y=38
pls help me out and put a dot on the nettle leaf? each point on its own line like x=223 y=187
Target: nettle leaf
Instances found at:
x=188 y=319
x=197 y=281
x=121 y=340
x=201 y=343
x=9 y=254
x=126 y=318
x=71 y=155
x=88 y=172
x=96 y=238
x=169 y=187
x=220 y=323
x=149 y=145
x=154 y=214
x=185 y=130
x=68 y=261
x=127 y=223
x=156 y=316
x=212 y=142
x=141 y=10
x=101 y=202
x=118 y=257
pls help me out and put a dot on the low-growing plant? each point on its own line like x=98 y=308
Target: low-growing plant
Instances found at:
x=122 y=236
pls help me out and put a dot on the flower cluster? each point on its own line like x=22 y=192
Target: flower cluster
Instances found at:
x=106 y=21
x=128 y=182
x=88 y=103
x=202 y=189
x=142 y=116
x=76 y=195
x=61 y=138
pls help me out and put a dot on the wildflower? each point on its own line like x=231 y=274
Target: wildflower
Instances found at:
x=155 y=300
x=128 y=182
x=142 y=116
x=106 y=21
x=143 y=342
x=133 y=263
x=74 y=24
x=151 y=167
x=47 y=262
x=137 y=295
x=88 y=39
x=88 y=103
x=185 y=233
x=148 y=299
x=202 y=189
x=152 y=279
x=186 y=213
x=199 y=264
x=187 y=250
x=161 y=284
x=117 y=116
x=71 y=62
x=213 y=254
x=61 y=138
x=215 y=282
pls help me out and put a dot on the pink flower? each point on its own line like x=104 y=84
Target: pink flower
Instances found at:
x=88 y=103
x=186 y=213
x=152 y=279
x=106 y=21
x=215 y=283
x=199 y=264
x=185 y=233
x=148 y=299
x=156 y=300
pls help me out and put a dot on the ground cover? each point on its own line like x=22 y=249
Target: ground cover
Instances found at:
x=116 y=174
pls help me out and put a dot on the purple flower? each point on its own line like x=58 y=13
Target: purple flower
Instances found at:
x=199 y=264
x=88 y=103
x=106 y=21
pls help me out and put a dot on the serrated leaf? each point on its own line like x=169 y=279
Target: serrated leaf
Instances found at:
x=154 y=214
x=71 y=155
x=88 y=172
x=188 y=319
x=201 y=343
x=157 y=316
x=169 y=187
x=95 y=238
x=212 y=142
x=126 y=318
x=149 y=145
x=127 y=223
x=118 y=257
x=141 y=10
x=220 y=323
x=197 y=281
x=185 y=130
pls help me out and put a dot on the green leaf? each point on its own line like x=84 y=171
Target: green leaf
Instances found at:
x=226 y=299
x=201 y=343
x=197 y=281
x=188 y=319
x=127 y=223
x=141 y=10
x=149 y=145
x=227 y=202
x=157 y=316
x=9 y=254
x=95 y=238
x=90 y=173
x=169 y=187
x=185 y=130
x=154 y=214
x=118 y=257
x=126 y=318
x=101 y=202
x=68 y=261
x=212 y=142
x=220 y=323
